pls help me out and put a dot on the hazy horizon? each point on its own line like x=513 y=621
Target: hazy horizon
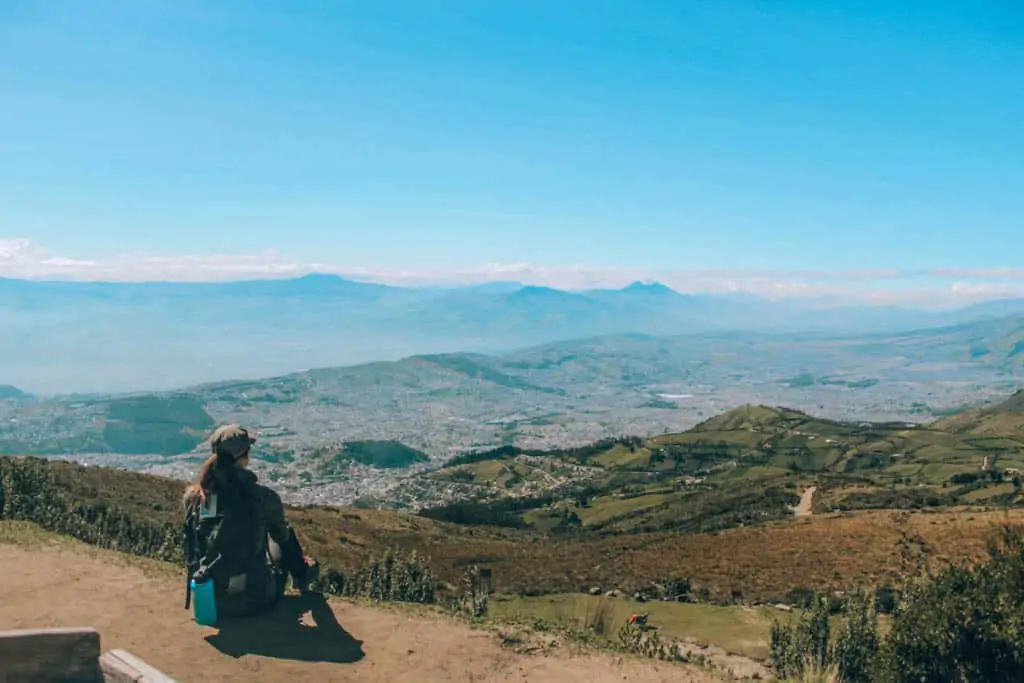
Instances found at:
x=923 y=288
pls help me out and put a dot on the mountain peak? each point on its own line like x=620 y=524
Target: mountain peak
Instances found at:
x=540 y=291
x=751 y=416
x=650 y=287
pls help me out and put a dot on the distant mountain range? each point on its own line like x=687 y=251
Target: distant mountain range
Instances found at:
x=63 y=337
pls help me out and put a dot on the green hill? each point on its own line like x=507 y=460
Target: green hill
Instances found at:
x=382 y=454
x=164 y=425
x=745 y=466
x=8 y=391
x=334 y=460
x=150 y=424
x=751 y=417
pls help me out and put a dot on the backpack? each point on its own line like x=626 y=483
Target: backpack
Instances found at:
x=219 y=540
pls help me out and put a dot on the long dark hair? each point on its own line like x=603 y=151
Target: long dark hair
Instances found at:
x=217 y=473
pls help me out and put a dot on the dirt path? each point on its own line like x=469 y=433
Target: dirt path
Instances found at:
x=805 y=507
x=305 y=640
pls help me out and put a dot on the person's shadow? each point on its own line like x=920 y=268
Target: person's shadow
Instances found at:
x=280 y=633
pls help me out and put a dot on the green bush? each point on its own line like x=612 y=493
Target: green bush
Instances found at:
x=636 y=640
x=857 y=642
x=965 y=625
x=30 y=493
x=391 y=578
x=474 y=598
x=804 y=644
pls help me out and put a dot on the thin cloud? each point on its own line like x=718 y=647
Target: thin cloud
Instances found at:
x=22 y=258
x=980 y=273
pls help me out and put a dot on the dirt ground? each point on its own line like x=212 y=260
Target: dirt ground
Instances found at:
x=305 y=639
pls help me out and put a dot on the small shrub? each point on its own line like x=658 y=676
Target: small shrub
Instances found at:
x=964 y=625
x=390 y=578
x=473 y=599
x=886 y=599
x=806 y=643
x=599 y=619
x=679 y=589
x=817 y=674
x=636 y=640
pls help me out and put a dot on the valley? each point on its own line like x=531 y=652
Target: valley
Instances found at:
x=717 y=502
x=559 y=395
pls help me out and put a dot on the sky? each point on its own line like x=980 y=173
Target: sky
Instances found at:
x=871 y=143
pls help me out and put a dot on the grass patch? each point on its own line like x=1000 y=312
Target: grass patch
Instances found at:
x=607 y=508
x=623 y=457
x=987 y=493
x=738 y=630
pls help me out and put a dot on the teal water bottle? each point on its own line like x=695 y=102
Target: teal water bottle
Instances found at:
x=204 y=604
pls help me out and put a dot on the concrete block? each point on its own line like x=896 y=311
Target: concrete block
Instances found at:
x=50 y=655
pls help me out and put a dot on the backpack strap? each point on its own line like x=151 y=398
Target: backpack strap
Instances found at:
x=189 y=548
x=191 y=552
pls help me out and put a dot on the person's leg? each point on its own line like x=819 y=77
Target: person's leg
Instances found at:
x=276 y=554
x=280 y=575
x=289 y=559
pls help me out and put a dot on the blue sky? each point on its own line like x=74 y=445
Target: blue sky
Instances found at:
x=393 y=135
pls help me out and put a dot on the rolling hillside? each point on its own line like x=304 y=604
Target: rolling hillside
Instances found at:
x=767 y=562
x=715 y=506
x=1002 y=418
x=742 y=467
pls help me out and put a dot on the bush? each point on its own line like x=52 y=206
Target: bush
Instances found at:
x=804 y=644
x=391 y=578
x=599 y=618
x=31 y=493
x=679 y=589
x=474 y=598
x=801 y=597
x=886 y=599
x=964 y=625
x=636 y=640
x=857 y=642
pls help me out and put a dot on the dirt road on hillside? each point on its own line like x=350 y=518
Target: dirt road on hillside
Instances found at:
x=302 y=641
x=806 y=505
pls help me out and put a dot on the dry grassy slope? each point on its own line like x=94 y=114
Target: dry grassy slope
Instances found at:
x=763 y=562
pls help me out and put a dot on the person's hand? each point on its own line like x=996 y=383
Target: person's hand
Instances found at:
x=312 y=573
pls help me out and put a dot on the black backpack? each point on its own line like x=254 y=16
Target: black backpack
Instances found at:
x=219 y=539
